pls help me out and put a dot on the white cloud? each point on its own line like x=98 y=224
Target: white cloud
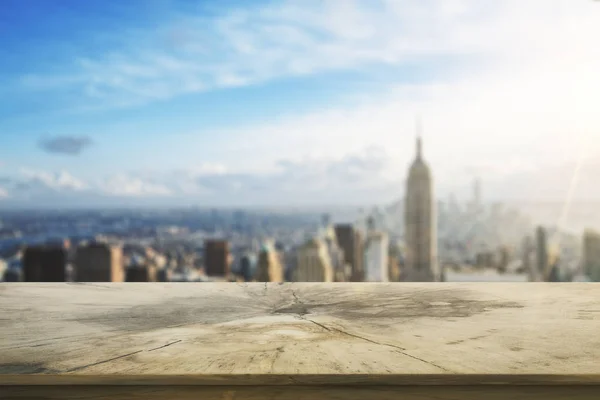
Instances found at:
x=525 y=105
x=3 y=193
x=62 y=180
x=352 y=178
x=521 y=103
x=207 y=169
x=261 y=42
x=124 y=185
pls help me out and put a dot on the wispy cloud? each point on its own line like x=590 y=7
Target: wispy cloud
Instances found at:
x=69 y=145
x=355 y=178
x=43 y=180
x=528 y=80
x=258 y=43
x=361 y=174
x=132 y=186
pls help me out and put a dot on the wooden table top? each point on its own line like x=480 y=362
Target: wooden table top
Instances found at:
x=299 y=333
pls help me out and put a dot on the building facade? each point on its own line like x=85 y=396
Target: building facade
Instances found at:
x=541 y=251
x=99 y=262
x=351 y=242
x=313 y=263
x=341 y=270
x=420 y=223
x=216 y=258
x=139 y=269
x=45 y=264
x=591 y=255
x=377 y=257
x=270 y=267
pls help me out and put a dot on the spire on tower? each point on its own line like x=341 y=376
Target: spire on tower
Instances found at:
x=419 y=143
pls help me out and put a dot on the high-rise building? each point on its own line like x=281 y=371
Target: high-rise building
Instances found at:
x=394 y=270
x=164 y=275
x=503 y=259
x=395 y=261
x=99 y=262
x=44 y=264
x=591 y=255
x=269 y=268
x=336 y=255
x=216 y=258
x=143 y=273
x=376 y=257
x=484 y=259
x=421 y=224
x=526 y=257
x=342 y=270
x=138 y=269
x=541 y=251
x=313 y=264
x=350 y=240
x=247 y=266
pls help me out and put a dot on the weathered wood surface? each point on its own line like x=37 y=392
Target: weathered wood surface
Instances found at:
x=302 y=392
x=227 y=334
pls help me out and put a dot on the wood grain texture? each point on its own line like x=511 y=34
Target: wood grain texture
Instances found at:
x=301 y=392
x=334 y=335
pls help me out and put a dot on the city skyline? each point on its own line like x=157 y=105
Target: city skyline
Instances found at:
x=180 y=104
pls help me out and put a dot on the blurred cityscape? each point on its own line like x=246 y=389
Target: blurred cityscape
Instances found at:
x=416 y=238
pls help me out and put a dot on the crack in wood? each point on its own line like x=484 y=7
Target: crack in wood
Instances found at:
x=166 y=345
x=423 y=360
x=398 y=349
x=103 y=362
x=316 y=323
x=296 y=299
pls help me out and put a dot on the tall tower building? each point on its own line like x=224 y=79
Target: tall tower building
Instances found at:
x=335 y=252
x=248 y=263
x=99 y=262
x=270 y=267
x=45 y=264
x=216 y=258
x=351 y=242
x=139 y=269
x=526 y=250
x=591 y=255
x=420 y=221
x=541 y=251
x=376 y=257
x=314 y=264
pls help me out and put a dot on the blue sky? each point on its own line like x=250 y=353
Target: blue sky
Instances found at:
x=293 y=102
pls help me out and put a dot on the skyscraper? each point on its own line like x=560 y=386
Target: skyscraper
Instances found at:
x=99 y=262
x=138 y=269
x=247 y=266
x=270 y=268
x=526 y=250
x=541 y=252
x=421 y=224
x=591 y=255
x=376 y=257
x=45 y=264
x=216 y=258
x=351 y=242
x=313 y=263
x=336 y=254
